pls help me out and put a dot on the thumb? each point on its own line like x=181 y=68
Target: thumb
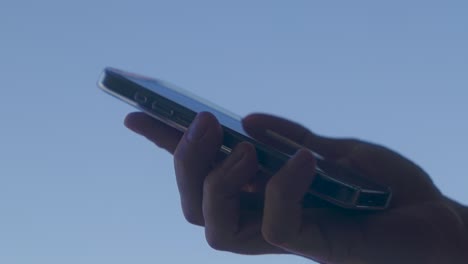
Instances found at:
x=287 y=136
x=376 y=163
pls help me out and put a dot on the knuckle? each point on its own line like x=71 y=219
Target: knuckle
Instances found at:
x=218 y=242
x=215 y=181
x=194 y=218
x=195 y=221
x=180 y=154
x=277 y=191
x=211 y=184
x=276 y=237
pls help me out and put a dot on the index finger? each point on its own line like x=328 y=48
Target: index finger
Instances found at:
x=161 y=134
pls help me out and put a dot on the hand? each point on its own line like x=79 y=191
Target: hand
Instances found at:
x=421 y=225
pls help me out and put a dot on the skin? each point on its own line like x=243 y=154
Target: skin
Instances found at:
x=421 y=225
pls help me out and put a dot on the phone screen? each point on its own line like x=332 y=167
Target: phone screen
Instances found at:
x=187 y=99
x=178 y=107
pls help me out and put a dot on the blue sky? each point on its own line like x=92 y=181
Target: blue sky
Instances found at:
x=77 y=187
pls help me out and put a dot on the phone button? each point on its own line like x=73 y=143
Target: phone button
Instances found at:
x=141 y=99
x=162 y=109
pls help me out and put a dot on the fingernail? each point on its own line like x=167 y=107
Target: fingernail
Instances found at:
x=197 y=129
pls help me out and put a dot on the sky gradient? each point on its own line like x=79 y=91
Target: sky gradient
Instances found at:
x=78 y=187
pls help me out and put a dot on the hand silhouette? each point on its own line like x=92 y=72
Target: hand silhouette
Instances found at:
x=420 y=226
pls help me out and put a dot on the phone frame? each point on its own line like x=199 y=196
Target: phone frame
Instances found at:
x=170 y=105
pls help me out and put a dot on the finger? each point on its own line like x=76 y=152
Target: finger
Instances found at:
x=329 y=236
x=388 y=168
x=371 y=161
x=282 y=214
x=193 y=159
x=274 y=130
x=318 y=233
x=221 y=202
x=156 y=131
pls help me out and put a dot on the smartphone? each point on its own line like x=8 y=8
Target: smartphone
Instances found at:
x=177 y=108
